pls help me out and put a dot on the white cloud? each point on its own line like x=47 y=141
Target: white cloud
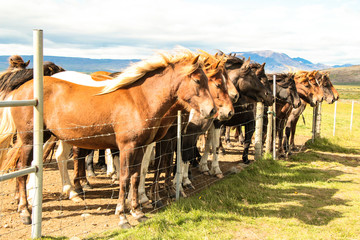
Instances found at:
x=320 y=31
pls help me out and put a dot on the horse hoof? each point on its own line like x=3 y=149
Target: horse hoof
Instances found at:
x=229 y=145
x=87 y=186
x=219 y=175
x=158 y=204
x=142 y=219
x=207 y=173
x=91 y=174
x=189 y=186
x=79 y=190
x=125 y=225
x=76 y=199
x=26 y=220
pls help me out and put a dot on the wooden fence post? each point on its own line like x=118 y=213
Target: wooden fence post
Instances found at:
x=259 y=129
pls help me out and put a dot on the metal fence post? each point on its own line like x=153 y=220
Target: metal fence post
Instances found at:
x=259 y=129
x=269 y=130
x=178 y=155
x=274 y=117
x=38 y=132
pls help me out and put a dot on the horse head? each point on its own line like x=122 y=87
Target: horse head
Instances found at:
x=221 y=88
x=247 y=81
x=330 y=93
x=286 y=88
x=16 y=62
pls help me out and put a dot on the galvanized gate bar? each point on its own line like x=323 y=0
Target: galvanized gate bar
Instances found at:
x=18 y=103
x=18 y=173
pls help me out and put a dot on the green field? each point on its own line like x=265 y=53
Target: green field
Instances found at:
x=314 y=194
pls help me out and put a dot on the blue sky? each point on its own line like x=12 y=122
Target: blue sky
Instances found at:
x=319 y=31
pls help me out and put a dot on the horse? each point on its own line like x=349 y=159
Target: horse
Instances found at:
x=330 y=96
x=250 y=87
x=223 y=92
x=143 y=93
x=16 y=62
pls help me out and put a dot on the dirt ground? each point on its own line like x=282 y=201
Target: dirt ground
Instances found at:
x=95 y=214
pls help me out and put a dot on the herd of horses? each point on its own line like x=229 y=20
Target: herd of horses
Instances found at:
x=133 y=114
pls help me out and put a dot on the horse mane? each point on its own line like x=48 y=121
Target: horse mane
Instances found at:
x=213 y=63
x=282 y=78
x=11 y=80
x=161 y=60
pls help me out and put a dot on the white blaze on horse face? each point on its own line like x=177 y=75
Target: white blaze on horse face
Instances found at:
x=80 y=79
x=191 y=114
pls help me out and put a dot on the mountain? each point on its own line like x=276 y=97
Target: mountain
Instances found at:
x=275 y=62
x=345 y=74
x=86 y=65
x=280 y=62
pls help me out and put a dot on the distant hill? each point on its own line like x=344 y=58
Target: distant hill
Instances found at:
x=345 y=74
x=86 y=65
x=280 y=62
x=275 y=62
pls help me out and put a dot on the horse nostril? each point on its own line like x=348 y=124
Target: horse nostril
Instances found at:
x=231 y=113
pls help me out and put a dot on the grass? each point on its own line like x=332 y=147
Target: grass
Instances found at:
x=347 y=91
x=311 y=195
x=314 y=194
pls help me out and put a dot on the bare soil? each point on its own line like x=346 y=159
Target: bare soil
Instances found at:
x=95 y=214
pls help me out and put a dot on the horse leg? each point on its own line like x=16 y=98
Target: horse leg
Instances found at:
x=227 y=137
x=61 y=155
x=110 y=169
x=215 y=168
x=249 y=132
x=101 y=162
x=79 y=155
x=90 y=164
x=203 y=167
x=144 y=169
x=24 y=160
x=292 y=133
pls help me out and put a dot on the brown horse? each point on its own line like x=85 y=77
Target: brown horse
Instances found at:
x=123 y=115
x=330 y=95
x=16 y=62
x=223 y=91
x=309 y=91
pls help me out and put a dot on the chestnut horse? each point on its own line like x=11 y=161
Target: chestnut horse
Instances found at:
x=308 y=90
x=139 y=98
x=223 y=92
x=330 y=96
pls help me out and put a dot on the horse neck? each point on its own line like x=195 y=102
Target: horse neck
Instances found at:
x=160 y=92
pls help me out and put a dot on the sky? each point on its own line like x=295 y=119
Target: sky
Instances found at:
x=321 y=31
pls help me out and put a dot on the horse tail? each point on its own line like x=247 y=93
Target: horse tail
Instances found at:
x=7 y=133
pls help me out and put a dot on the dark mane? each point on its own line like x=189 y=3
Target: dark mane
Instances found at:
x=11 y=80
x=283 y=79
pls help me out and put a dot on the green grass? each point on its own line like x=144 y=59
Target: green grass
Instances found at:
x=348 y=91
x=311 y=195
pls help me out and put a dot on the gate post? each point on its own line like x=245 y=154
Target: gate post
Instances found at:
x=38 y=132
x=178 y=155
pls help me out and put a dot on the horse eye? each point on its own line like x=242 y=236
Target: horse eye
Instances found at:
x=196 y=80
x=217 y=85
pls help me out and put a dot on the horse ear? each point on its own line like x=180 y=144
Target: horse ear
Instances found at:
x=217 y=64
x=196 y=59
x=216 y=55
x=27 y=63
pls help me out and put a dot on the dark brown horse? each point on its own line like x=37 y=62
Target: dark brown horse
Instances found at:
x=123 y=115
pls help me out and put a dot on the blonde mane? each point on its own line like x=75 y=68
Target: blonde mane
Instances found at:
x=213 y=63
x=160 y=60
